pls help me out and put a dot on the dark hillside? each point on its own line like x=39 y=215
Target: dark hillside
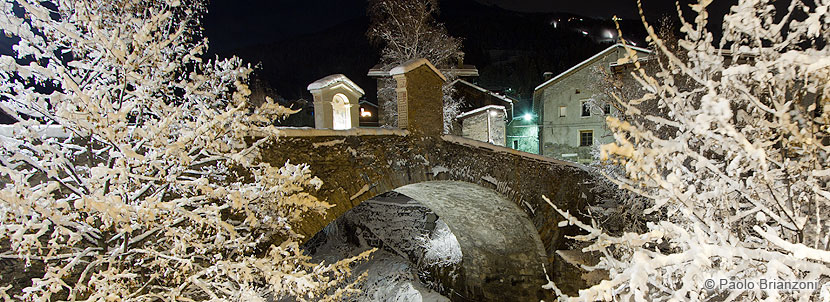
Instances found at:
x=510 y=49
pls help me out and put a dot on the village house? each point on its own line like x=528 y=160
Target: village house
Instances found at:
x=523 y=133
x=474 y=97
x=571 y=106
x=486 y=124
x=475 y=101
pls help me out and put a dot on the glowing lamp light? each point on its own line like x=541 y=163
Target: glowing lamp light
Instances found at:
x=528 y=117
x=493 y=113
x=364 y=113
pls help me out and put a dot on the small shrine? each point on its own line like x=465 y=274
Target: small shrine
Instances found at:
x=336 y=102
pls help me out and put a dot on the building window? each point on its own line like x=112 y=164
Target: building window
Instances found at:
x=586 y=108
x=606 y=109
x=586 y=138
x=516 y=145
x=563 y=111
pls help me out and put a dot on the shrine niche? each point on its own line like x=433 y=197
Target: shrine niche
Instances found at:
x=336 y=102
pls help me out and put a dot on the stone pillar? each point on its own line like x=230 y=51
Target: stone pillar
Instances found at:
x=322 y=111
x=420 y=98
x=401 y=101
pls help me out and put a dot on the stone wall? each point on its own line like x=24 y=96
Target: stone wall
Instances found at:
x=476 y=127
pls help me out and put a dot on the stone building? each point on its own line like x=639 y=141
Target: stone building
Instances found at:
x=523 y=133
x=419 y=97
x=386 y=97
x=486 y=124
x=572 y=108
x=520 y=127
x=336 y=102
x=473 y=97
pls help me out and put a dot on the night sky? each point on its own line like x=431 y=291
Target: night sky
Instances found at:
x=232 y=24
x=600 y=8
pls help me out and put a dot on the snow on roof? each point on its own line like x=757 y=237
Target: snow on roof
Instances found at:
x=479 y=88
x=588 y=61
x=412 y=64
x=460 y=71
x=334 y=79
x=362 y=102
x=481 y=110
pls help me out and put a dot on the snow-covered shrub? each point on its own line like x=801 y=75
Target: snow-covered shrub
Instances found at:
x=452 y=104
x=131 y=173
x=441 y=248
x=735 y=153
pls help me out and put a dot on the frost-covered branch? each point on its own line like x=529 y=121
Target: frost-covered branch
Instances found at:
x=731 y=142
x=407 y=30
x=129 y=174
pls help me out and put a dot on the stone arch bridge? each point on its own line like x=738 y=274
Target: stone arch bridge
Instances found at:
x=507 y=232
x=489 y=196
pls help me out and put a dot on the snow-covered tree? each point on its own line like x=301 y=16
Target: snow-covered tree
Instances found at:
x=735 y=159
x=407 y=30
x=132 y=172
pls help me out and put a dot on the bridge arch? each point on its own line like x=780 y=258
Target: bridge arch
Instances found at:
x=502 y=254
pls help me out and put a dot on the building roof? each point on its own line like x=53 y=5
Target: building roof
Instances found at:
x=587 y=62
x=365 y=102
x=460 y=71
x=481 y=110
x=479 y=88
x=415 y=63
x=332 y=80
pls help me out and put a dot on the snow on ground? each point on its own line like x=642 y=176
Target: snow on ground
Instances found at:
x=441 y=247
x=405 y=233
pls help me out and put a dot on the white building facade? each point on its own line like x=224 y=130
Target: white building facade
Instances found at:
x=572 y=108
x=336 y=102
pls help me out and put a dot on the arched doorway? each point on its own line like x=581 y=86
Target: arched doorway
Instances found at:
x=341 y=115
